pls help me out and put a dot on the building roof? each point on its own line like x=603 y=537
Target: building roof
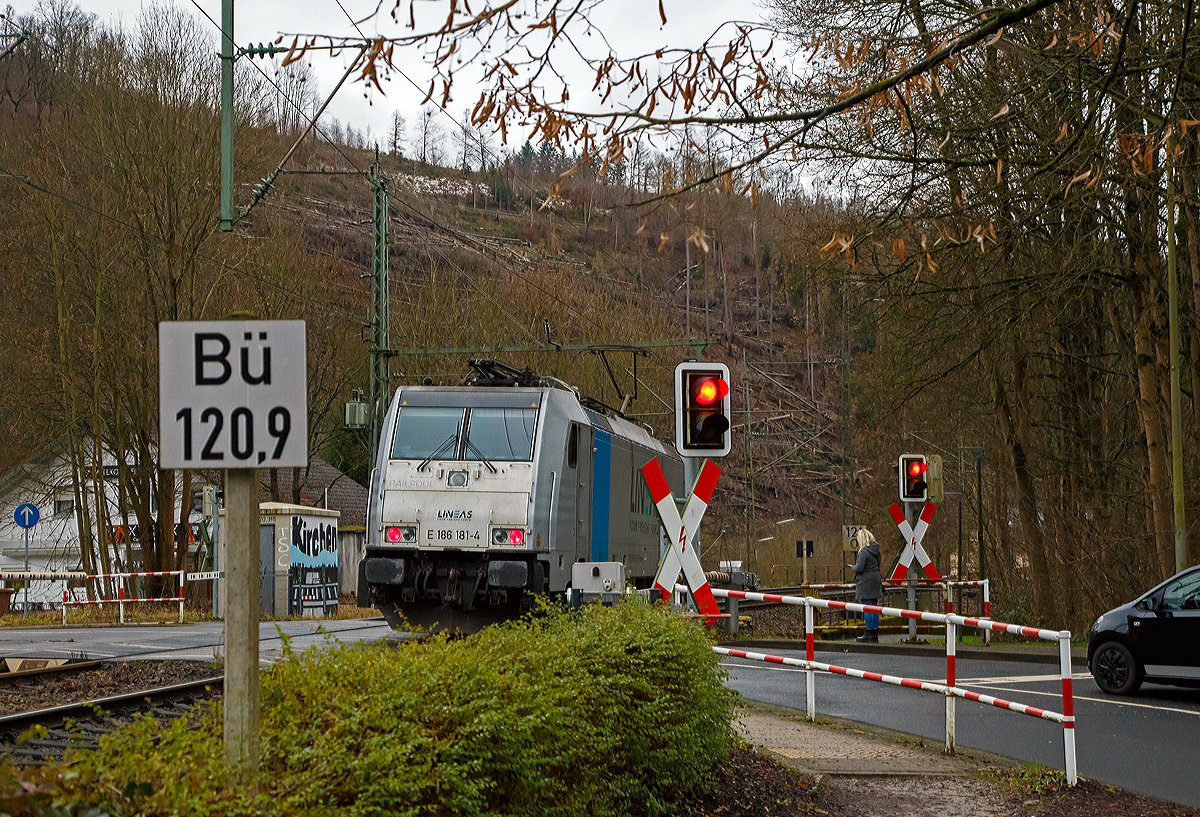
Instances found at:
x=321 y=486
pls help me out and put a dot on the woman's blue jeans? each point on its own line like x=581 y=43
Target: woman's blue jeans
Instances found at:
x=871 y=619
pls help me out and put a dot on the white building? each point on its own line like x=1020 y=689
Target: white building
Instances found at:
x=44 y=481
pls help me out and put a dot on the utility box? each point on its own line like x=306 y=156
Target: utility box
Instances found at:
x=593 y=582
x=739 y=577
x=298 y=560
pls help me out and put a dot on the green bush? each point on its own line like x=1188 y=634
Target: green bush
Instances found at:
x=605 y=712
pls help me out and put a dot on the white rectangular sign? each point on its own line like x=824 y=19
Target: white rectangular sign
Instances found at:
x=232 y=394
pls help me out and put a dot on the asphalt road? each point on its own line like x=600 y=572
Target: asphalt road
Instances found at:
x=195 y=642
x=1145 y=743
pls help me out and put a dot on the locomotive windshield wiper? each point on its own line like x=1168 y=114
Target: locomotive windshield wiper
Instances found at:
x=479 y=454
x=441 y=449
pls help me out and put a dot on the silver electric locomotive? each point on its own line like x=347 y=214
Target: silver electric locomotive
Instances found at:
x=483 y=495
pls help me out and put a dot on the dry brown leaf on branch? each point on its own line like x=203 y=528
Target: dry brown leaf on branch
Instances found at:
x=663 y=238
x=1188 y=123
x=294 y=53
x=1084 y=175
x=898 y=249
x=1003 y=110
x=843 y=244
x=641 y=229
x=980 y=234
x=1062 y=134
x=995 y=39
x=999 y=169
x=699 y=238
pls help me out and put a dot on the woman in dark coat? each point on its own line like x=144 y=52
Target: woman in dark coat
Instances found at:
x=868 y=581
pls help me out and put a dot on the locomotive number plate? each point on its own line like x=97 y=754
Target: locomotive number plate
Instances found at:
x=444 y=535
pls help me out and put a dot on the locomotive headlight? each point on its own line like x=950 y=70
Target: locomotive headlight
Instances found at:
x=508 y=536
x=400 y=535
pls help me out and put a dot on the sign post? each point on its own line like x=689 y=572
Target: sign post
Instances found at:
x=234 y=395
x=27 y=516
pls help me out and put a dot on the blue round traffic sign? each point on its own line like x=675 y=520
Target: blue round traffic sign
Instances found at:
x=27 y=515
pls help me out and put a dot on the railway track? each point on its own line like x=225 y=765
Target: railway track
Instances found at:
x=81 y=725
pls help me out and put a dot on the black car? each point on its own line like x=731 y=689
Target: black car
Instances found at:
x=1155 y=637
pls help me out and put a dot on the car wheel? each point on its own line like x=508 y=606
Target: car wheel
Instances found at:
x=1115 y=670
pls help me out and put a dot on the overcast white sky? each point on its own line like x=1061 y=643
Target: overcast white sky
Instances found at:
x=633 y=26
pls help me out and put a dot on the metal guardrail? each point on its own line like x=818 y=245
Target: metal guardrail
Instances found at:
x=949 y=688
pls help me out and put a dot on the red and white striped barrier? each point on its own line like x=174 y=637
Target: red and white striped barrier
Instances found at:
x=71 y=602
x=949 y=689
x=33 y=576
x=121 y=600
x=134 y=575
x=923 y=583
x=987 y=600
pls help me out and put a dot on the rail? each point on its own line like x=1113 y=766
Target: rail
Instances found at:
x=949 y=689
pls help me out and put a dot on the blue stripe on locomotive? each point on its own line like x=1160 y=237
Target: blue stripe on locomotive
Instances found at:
x=601 y=495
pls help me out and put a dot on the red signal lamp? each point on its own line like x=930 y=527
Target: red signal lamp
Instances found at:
x=710 y=390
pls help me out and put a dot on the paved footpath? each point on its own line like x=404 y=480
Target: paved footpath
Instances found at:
x=863 y=771
x=837 y=747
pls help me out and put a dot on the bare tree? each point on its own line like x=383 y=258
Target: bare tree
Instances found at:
x=427 y=136
x=297 y=97
x=396 y=133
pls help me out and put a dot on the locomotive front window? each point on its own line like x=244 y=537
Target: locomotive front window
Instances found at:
x=423 y=432
x=503 y=435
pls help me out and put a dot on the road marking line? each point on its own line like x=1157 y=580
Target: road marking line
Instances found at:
x=1104 y=700
x=1058 y=695
x=1019 y=679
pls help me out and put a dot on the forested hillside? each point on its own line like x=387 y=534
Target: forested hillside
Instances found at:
x=974 y=266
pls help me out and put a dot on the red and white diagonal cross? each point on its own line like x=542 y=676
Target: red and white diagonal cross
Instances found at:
x=913 y=539
x=682 y=530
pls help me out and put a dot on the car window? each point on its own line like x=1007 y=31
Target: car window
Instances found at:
x=1183 y=594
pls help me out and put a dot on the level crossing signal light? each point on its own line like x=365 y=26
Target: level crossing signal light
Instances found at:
x=702 y=414
x=913 y=487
